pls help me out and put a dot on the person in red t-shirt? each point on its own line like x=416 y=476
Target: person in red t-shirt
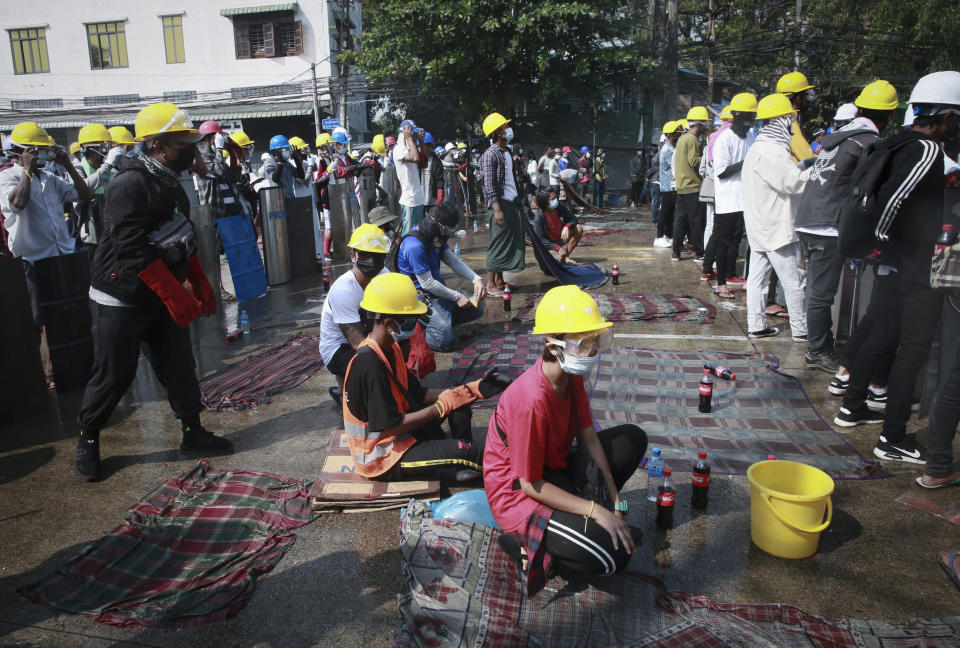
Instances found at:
x=554 y=500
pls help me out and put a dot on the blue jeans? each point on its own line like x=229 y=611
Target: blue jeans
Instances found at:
x=446 y=315
x=598 y=187
x=655 y=201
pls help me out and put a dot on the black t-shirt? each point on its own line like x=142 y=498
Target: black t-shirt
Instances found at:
x=368 y=393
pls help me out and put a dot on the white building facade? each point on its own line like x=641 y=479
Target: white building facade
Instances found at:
x=248 y=63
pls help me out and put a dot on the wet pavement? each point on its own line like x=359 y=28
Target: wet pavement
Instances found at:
x=337 y=586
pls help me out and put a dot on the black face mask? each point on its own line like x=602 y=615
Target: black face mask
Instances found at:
x=184 y=159
x=370 y=266
x=742 y=123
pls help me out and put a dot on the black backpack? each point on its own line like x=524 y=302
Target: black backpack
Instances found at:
x=860 y=213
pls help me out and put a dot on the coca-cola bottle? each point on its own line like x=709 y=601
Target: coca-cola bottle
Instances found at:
x=701 y=481
x=946 y=239
x=706 y=392
x=666 y=497
x=615 y=274
x=720 y=371
x=507 y=297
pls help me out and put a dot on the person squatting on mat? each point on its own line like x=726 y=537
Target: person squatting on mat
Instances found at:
x=341 y=327
x=392 y=422
x=555 y=225
x=147 y=251
x=554 y=500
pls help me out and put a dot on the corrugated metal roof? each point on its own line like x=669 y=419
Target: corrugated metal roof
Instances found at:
x=240 y=11
x=252 y=111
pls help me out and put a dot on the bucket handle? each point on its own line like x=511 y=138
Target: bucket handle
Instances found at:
x=788 y=523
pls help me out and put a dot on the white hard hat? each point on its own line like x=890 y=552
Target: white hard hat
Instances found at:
x=448 y=146
x=938 y=88
x=845 y=112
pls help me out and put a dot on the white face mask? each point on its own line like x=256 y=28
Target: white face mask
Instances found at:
x=508 y=134
x=577 y=365
x=554 y=203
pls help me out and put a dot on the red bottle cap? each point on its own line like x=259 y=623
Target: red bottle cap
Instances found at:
x=667 y=472
x=702 y=454
x=947 y=227
x=771 y=457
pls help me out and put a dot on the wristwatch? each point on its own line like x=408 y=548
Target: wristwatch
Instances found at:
x=621 y=506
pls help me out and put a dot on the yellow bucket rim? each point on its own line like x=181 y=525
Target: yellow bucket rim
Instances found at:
x=789 y=497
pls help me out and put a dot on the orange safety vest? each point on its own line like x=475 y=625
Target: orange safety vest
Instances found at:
x=375 y=453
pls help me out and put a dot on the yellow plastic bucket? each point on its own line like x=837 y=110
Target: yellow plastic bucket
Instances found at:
x=787 y=502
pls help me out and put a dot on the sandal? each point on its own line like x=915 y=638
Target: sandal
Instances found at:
x=946 y=484
x=724 y=293
x=947 y=562
x=776 y=310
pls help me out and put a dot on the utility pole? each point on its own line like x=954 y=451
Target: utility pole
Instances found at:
x=343 y=43
x=711 y=43
x=799 y=32
x=316 y=103
x=655 y=17
x=670 y=58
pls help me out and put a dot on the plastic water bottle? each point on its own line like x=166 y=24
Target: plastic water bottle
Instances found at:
x=654 y=473
x=244 y=323
x=456 y=248
x=476 y=226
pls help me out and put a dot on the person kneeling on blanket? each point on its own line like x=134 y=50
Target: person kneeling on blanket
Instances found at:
x=554 y=501
x=555 y=225
x=392 y=422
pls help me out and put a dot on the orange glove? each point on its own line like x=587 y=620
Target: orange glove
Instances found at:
x=453 y=398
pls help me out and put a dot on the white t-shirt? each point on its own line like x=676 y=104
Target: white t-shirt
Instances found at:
x=532 y=171
x=550 y=170
x=729 y=149
x=341 y=307
x=509 y=187
x=411 y=190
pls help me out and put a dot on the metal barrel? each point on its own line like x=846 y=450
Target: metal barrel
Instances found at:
x=367 y=192
x=341 y=217
x=204 y=227
x=276 y=240
x=63 y=286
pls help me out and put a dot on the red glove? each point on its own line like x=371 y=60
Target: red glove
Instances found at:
x=180 y=302
x=421 y=359
x=440 y=195
x=201 y=287
x=455 y=397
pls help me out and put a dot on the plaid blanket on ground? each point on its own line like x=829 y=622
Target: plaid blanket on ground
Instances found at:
x=623 y=308
x=763 y=412
x=253 y=380
x=187 y=554
x=463 y=590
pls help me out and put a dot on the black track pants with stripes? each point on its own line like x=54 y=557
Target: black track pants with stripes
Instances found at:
x=589 y=549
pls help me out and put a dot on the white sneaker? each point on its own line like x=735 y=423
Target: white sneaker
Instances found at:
x=661 y=242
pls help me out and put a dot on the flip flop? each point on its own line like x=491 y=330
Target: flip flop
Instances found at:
x=725 y=294
x=494 y=293
x=946 y=564
x=782 y=314
x=955 y=482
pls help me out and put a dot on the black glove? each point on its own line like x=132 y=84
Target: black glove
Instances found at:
x=492 y=383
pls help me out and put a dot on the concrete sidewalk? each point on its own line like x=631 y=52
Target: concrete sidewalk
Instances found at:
x=338 y=585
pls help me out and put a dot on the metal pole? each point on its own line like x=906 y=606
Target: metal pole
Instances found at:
x=796 y=48
x=316 y=104
x=344 y=25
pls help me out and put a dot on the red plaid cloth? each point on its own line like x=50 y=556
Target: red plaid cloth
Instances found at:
x=538 y=560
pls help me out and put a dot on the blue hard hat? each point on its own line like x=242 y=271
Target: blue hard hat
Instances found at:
x=427 y=138
x=584 y=149
x=278 y=142
x=339 y=137
x=438 y=150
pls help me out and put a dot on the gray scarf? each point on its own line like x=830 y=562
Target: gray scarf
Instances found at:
x=777 y=130
x=166 y=176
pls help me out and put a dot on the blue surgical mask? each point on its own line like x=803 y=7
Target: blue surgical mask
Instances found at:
x=554 y=203
x=508 y=134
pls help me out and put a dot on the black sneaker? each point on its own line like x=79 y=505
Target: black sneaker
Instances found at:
x=838 y=387
x=852 y=418
x=767 y=332
x=824 y=361
x=876 y=402
x=203 y=441
x=88 y=457
x=907 y=450
x=337 y=395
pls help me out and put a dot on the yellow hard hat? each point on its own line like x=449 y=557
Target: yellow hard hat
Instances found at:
x=162 y=119
x=392 y=293
x=743 y=102
x=121 y=135
x=462 y=146
x=369 y=238
x=74 y=147
x=698 y=113
x=775 y=105
x=879 y=95
x=297 y=142
x=669 y=127
x=684 y=124
x=492 y=122
x=567 y=309
x=725 y=114
x=793 y=82
x=29 y=134
x=241 y=139
x=379 y=145
x=94 y=133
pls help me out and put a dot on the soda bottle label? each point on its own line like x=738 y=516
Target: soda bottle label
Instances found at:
x=706 y=389
x=666 y=498
x=700 y=479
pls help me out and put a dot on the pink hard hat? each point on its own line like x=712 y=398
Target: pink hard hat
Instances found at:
x=210 y=126
x=391 y=140
x=566 y=149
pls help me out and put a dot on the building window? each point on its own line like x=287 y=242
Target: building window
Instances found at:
x=30 y=104
x=108 y=45
x=103 y=100
x=179 y=96
x=29 y=48
x=264 y=38
x=173 y=38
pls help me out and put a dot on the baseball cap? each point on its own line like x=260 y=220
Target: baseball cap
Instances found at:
x=411 y=124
